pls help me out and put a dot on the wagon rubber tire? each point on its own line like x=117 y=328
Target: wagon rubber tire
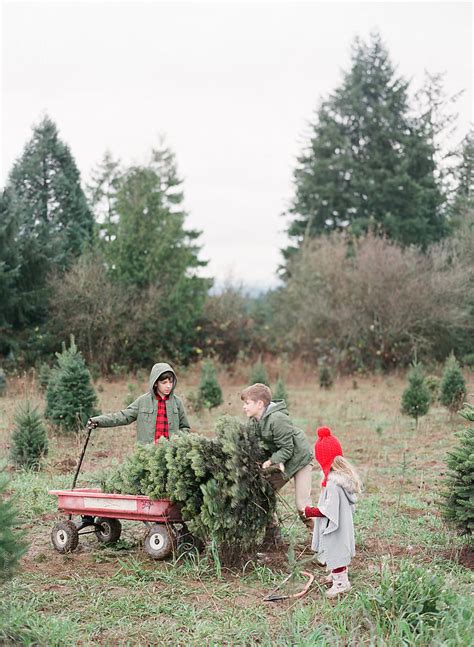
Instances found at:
x=65 y=536
x=107 y=530
x=187 y=542
x=158 y=542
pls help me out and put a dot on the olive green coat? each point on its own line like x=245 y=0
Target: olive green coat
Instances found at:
x=286 y=443
x=145 y=408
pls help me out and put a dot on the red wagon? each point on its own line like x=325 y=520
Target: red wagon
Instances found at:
x=100 y=513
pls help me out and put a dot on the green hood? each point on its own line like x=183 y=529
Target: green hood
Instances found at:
x=156 y=371
x=275 y=405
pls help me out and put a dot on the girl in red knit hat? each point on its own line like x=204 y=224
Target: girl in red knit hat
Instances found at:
x=333 y=535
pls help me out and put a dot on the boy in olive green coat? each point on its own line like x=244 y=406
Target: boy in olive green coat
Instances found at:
x=287 y=445
x=159 y=412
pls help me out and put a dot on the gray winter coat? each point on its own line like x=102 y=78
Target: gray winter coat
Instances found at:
x=145 y=408
x=333 y=535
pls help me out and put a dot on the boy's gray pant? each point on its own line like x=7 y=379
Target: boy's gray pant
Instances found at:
x=302 y=480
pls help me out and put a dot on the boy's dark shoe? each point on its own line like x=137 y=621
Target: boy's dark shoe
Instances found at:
x=272 y=538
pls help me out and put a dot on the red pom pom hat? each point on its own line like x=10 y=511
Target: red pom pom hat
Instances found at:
x=326 y=448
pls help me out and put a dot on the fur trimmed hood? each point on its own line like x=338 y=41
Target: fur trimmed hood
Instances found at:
x=345 y=482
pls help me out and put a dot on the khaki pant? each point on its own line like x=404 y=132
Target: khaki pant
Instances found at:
x=302 y=480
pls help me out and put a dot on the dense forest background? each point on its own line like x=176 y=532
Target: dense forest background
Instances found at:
x=378 y=267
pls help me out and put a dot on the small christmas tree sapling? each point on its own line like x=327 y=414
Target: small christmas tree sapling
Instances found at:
x=131 y=395
x=432 y=382
x=453 y=386
x=325 y=377
x=458 y=504
x=280 y=391
x=29 y=439
x=258 y=374
x=210 y=393
x=44 y=374
x=468 y=360
x=11 y=546
x=416 y=398
x=70 y=398
x=3 y=382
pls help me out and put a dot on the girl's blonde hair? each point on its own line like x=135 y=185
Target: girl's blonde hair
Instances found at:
x=343 y=466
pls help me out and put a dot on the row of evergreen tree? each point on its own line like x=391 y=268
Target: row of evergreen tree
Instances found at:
x=70 y=400
x=115 y=264
x=422 y=391
x=457 y=504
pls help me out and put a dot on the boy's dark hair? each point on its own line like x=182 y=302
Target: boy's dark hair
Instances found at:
x=257 y=392
x=165 y=376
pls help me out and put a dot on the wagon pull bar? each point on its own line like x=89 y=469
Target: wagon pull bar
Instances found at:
x=81 y=457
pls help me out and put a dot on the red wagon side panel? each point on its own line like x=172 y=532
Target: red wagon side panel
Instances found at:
x=94 y=502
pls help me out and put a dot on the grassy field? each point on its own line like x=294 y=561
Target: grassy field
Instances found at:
x=412 y=576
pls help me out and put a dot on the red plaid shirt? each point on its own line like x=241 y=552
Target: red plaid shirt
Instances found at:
x=161 y=425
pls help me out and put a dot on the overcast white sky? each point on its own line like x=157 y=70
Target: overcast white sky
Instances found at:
x=231 y=86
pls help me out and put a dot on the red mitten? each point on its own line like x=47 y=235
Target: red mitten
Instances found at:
x=312 y=512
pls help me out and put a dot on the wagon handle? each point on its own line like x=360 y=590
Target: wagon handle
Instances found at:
x=81 y=457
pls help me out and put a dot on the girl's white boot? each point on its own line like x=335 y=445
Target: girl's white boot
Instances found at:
x=340 y=584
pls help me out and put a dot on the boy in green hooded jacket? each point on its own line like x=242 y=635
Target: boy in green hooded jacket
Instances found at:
x=287 y=445
x=158 y=413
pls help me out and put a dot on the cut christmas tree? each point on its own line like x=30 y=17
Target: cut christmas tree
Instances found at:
x=216 y=482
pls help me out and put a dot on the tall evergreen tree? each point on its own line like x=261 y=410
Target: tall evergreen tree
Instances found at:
x=464 y=197
x=368 y=163
x=156 y=256
x=9 y=274
x=152 y=246
x=435 y=116
x=46 y=219
x=102 y=194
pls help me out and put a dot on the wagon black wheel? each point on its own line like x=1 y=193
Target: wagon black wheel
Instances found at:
x=158 y=542
x=65 y=536
x=187 y=542
x=108 y=531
